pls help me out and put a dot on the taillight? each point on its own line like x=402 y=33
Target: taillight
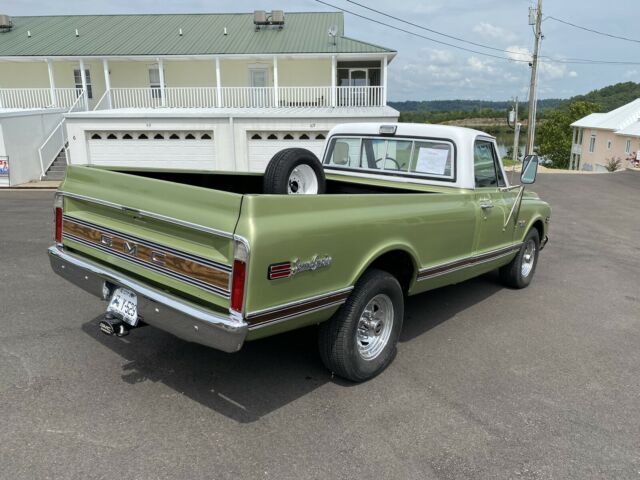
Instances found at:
x=239 y=276
x=57 y=208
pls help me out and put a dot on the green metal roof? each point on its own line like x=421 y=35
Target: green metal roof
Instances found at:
x=202 y=34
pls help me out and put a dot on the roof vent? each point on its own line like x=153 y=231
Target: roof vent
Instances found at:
x=277 y=17
x=260 y=17
x=264 y=19
x=5 y=23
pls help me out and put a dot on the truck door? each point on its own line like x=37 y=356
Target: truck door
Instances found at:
x=493 y=205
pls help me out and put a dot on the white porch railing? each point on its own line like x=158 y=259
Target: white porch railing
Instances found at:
x=241 y=97
x=38 y=97
x=304 y=96
x=174 y=97
x=576 y=148
x=359 y=96
x=57 y=139
x=247 y=97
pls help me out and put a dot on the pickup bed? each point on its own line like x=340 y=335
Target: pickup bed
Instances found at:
x=212 y=259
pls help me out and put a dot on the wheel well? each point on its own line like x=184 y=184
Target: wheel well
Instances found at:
x=399 y=264
x=540 y=227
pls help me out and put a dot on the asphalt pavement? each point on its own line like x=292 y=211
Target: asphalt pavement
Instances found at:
x=488 y=382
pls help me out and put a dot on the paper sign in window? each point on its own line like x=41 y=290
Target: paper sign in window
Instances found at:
x=432 y=160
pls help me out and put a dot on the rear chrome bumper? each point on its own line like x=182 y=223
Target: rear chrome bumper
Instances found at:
x=167 y=312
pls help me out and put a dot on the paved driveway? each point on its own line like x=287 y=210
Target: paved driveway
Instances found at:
x=488 y=382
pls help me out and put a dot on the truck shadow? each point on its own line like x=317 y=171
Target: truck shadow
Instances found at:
x=266 y=374
x=428 y=310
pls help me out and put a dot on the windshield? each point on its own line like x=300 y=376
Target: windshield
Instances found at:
x=414 y=157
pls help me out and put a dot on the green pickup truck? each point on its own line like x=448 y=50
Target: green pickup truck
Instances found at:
x=220 y=258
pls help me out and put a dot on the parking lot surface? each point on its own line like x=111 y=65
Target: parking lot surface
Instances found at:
x=488 y=382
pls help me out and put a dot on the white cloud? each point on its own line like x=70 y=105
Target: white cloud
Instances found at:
x=552 y=71
x=519 y=54
x=441 y=57
x=478 y=65
x=488 y=30
x=573 y=74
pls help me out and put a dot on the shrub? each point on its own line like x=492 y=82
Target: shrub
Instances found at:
x=612 y=164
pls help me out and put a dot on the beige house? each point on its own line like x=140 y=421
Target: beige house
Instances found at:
x=599 y=137
x=233 y=88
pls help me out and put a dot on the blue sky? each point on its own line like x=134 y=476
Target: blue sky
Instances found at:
x=424 y=70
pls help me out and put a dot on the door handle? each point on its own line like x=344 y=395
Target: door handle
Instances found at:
x=486 y=205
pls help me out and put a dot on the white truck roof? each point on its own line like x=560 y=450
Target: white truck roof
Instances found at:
x=463 y=139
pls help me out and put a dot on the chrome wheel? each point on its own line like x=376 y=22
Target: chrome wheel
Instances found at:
x=374 y=327
x=528 y=258
x=302 y=181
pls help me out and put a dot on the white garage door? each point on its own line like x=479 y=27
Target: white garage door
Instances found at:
x=172 y=149
x=264 y=145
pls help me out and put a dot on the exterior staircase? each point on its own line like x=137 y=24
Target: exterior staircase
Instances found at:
x=58 y=168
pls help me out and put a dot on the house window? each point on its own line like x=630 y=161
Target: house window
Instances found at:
x=358 y=74
x=609 y=143
x=154 y=81
x=592 y=143
x=77 y=78
x=627 y=147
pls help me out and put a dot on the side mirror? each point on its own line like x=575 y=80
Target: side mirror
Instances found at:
x=529 y=169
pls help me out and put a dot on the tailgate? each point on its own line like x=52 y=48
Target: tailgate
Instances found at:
x=176 y=236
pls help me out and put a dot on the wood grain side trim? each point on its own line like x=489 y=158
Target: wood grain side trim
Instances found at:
x=431 y=272
x=284 y=312
x=145 y=253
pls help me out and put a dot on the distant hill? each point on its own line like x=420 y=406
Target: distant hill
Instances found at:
x=466 y=105
x=607 y=98
x=611 y=97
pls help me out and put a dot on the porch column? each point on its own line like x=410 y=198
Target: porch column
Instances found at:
x=218 y=88
x=83 y=76
x=107 y=81
x=276 y=94
x=334 y=76
x=162 y=89
x=52 y=84
x=384 y=81
x=573 y=142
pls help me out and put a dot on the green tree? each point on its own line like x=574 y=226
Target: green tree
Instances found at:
x=554 y=134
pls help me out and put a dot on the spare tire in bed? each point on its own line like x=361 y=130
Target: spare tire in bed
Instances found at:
x=294 y=171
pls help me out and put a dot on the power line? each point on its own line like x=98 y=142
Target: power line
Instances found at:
x=547 y=59
x=419 y=35
x=591 y=30
x=434 y=31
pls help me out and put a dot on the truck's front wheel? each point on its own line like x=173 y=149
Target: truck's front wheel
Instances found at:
x=519 y=272
x=360 y=340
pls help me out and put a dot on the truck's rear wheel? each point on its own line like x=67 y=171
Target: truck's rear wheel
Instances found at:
x=519 y=272
x=294 y=171
x=360 y=340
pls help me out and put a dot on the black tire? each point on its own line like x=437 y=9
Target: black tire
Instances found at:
x=338 y=339
x=278 y=172
x=513 y=275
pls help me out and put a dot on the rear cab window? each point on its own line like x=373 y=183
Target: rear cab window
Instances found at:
x=431 y=159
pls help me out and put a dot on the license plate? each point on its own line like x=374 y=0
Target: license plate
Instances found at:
x=124 y=305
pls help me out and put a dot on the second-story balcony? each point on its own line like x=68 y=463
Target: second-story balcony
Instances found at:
x=198 y=97
x=241 y=97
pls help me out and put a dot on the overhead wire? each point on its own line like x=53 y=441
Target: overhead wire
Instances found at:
x=545 y=58
x=618 y=37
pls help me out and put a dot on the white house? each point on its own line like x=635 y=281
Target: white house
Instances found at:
x=599 y=137
x=205 y=91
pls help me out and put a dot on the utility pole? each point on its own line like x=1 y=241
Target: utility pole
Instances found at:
x=516 y=133
x=531 y=127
